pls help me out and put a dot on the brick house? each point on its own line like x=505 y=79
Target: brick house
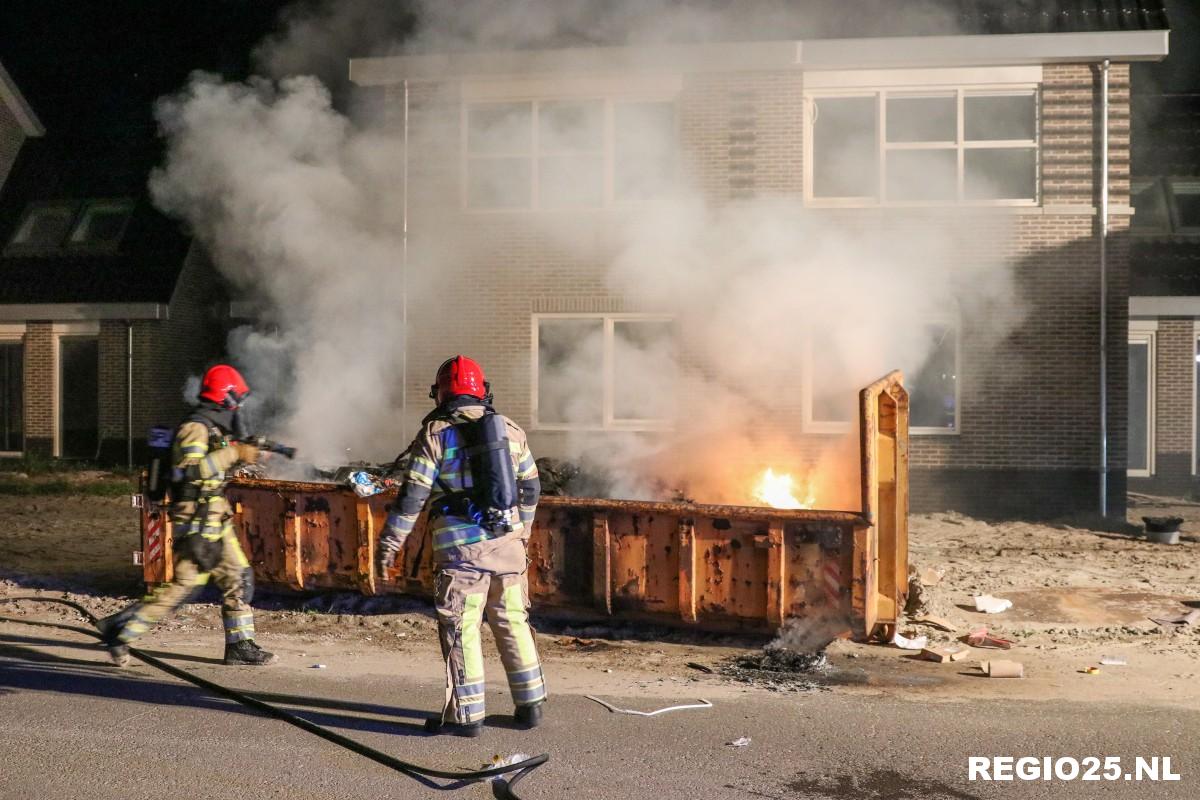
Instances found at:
x=1164 y=303
x=1012 y=429
x=106 y=307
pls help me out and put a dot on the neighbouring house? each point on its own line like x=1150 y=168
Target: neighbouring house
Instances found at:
x=106 y=306
x=17 y=122
x=1164 y=303
x=1003 y=107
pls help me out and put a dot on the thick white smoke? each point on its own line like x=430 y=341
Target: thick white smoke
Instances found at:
x=304 y=209
x=297 y=207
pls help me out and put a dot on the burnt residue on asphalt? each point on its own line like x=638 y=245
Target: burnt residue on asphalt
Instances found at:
x=882 y=784
x=780 y=669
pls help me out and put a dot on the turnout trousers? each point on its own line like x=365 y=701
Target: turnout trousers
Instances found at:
x=232 y=575
x=494 y=584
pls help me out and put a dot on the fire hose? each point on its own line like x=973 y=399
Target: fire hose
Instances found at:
x=502 y=789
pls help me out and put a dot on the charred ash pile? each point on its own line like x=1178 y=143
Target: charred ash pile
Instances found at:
x=778 y=668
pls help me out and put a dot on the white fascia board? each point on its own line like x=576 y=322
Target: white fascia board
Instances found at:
x=70 y=312
x=1007 y=49
x=817 y=54
x=1164 y=306
x=20 y=108
x=714 y=57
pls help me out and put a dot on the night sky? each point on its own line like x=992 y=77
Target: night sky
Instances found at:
x=88 y=64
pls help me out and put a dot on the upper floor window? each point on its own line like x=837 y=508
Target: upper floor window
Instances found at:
x=44 y=226
x=566 y=154
x=603 y=371
x=101 y=224
x=936 y=147
x=1166 y=206
x=55 y=225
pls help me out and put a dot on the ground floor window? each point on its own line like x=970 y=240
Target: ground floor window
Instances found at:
x=1141 y=399
x=831 y=399
x=603 y=371
x=12 y=397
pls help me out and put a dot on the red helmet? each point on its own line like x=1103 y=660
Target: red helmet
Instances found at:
x=459 y=375
x=224 y=386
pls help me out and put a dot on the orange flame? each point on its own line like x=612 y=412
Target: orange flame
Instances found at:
x=776 y=491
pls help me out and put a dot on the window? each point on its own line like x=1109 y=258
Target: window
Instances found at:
x=101 y=224
x=933 y=389
x=899 y=147
x=601 y=372
x=566 y=154
x=1186 y=206
x=43 y=227
x=1150 y=207
x=830 y=398
x=12 y=397
x=1141 y=399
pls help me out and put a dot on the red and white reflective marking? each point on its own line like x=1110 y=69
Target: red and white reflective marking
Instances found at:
x=154 y=537
x=833 y=582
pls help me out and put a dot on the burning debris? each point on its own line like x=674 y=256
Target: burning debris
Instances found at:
x=778 y=669
x=777 y=491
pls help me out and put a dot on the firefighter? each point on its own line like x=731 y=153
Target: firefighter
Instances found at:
x=202 y=453
x=474 y=469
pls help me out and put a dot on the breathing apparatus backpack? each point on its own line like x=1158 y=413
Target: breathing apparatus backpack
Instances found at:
x=162 y=482
x=158 y=468
x=491 y=500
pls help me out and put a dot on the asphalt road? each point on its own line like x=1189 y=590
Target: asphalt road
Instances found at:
x=72 y=726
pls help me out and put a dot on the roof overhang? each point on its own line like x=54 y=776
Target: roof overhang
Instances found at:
x=11 y=96
x=1164 y=306
x=817 y=54
x=71 y=312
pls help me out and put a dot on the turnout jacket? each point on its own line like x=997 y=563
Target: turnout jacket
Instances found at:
x=201 y=455
x=437 y=462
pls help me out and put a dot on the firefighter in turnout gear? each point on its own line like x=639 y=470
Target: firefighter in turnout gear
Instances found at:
x=202 y=453
x=474 y=469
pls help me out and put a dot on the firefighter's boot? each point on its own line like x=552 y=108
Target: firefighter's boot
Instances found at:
x=435 y=725
x=530 y=716
x=110 y=632
x=247 y=653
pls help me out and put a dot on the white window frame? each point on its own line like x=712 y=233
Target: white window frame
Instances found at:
x=1146 y=332
x=59 y=330
x=1195 y=399
x=810 y=425
x=960 y=145
x=608 y=421
x=607 y=152
x=1178 y=186
x=9 y=333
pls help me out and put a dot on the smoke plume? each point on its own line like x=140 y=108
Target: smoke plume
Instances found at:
x=767 y=316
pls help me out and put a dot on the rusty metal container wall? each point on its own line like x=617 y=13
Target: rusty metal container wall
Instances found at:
x=704 y=566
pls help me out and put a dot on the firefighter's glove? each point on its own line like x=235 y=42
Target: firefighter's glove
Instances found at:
x=389 y=551
x=247 y=453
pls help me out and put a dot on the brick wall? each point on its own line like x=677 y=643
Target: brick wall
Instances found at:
x=39 y=389
x=165 y=354
x=1030 y=401
x=12 y=136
